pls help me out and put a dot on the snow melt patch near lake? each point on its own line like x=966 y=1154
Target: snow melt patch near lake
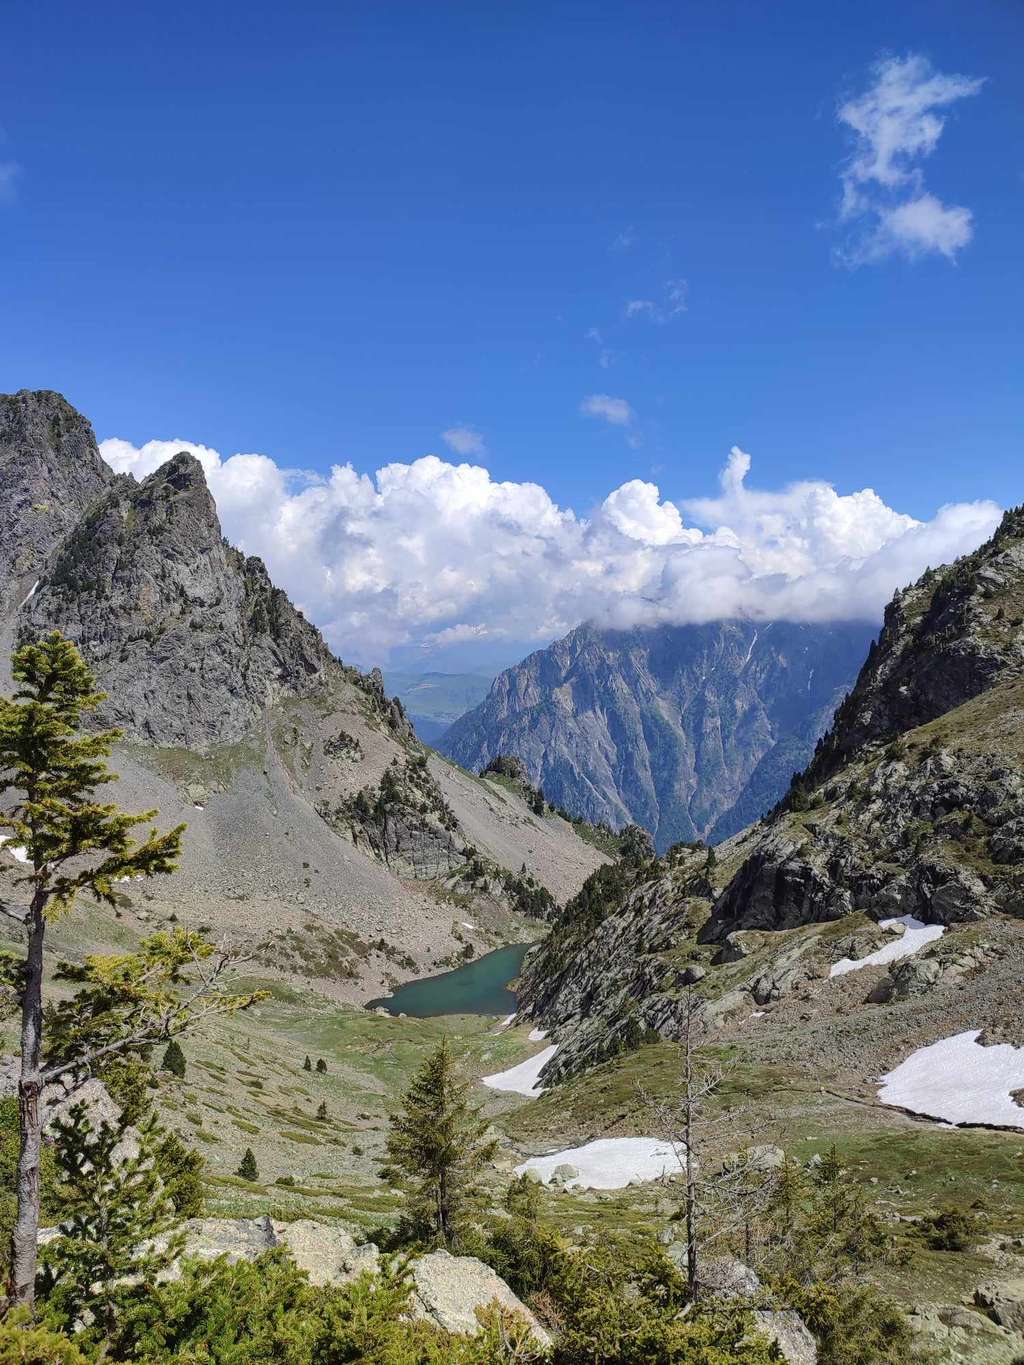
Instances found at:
x=610 y=1163
x=960 y=1081
x=915 y=935
x=523 y=1079
x=537 y=1035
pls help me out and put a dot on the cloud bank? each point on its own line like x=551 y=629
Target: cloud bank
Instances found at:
x=895 y=124
x=431 y=554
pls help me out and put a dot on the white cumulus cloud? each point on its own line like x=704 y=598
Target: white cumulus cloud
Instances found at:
x=430 y=554
x=895 y=124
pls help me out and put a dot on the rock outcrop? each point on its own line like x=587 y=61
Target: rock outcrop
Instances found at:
x=688 y=731
x=451 y=1291
x=50 y=474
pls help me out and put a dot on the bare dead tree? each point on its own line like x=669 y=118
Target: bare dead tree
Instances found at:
x=723 y=1202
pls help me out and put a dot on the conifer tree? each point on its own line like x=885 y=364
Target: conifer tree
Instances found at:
x=174 y=1059
x=321 y=1110
x=437 y=1148
x=321 y=1066
x=55 y=819
x=70 y=843
x=113 y=1239
x=247 y=1167
x=307 y=1065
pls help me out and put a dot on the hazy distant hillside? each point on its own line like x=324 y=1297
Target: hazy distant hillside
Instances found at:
x=434 y=701
x=690 y=731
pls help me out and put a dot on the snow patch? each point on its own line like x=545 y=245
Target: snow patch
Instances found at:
x=505 y=1022
x=523 y=1079
x=958 y=1080
x=31 y=593
x=17 y=851
x=537 y=1035
x=914 y=937
x=466 y=924
x=610 y=1163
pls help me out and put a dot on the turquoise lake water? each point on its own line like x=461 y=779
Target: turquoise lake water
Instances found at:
x=480 y=987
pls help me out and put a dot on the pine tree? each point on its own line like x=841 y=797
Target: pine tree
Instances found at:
x=321 y=1110
x=307 y=1065
x=321 y=1065
x=437 y=1147
x=54 y=817
x=247 y=1167
x=174 y=1059
x=118 y=1230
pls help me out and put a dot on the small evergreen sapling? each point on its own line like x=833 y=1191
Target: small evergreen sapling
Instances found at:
x=174 y=1059
x=437 y=1147
x=247 y=1167
x=118 y=1232
x=321 y=1110
x=321 y=1066
x=307 y=1065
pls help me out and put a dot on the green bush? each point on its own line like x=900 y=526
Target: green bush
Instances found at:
x=22 y=1342
x=951 y=1229
x=853 y=1324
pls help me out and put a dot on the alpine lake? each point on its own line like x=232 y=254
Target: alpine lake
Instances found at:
x=477 y=987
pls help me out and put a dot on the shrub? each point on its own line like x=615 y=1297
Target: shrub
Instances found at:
x=951 y=1229
x=247 y=1167
x=853 y=1324
x=24 y=1343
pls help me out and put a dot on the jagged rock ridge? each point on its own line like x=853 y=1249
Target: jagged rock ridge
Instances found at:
x=689 y=731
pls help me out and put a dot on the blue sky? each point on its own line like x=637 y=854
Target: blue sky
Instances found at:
x=333 y=232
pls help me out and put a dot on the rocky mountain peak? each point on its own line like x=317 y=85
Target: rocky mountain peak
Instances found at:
x=50 y=472
x=946 y=638
x=191 y=638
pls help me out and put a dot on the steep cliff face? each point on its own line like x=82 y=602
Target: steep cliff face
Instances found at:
x=50 y=472
x=238 y=719
x=688 y=731
x=191 y=638
x=912 y=807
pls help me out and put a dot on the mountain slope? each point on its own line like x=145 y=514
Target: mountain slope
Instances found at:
x=913 y=806
x=238 y=719
x=688 y=731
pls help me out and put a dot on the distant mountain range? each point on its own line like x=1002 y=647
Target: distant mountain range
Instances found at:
x=689 y=731
x=434 y=701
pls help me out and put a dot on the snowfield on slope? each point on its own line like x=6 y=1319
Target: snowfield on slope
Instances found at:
x=914 y=937
x=609 y=1163
x=960 y=1081
x=523 y=1079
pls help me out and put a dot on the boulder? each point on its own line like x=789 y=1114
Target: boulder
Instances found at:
x=787 y=1330
x=564 y=1173
x=727 y=1278
x=1003 y=1301
x=239 y=1239
x=718 y=1011
x=326 y=1251
x=962 y=1336
x=451 y=1290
